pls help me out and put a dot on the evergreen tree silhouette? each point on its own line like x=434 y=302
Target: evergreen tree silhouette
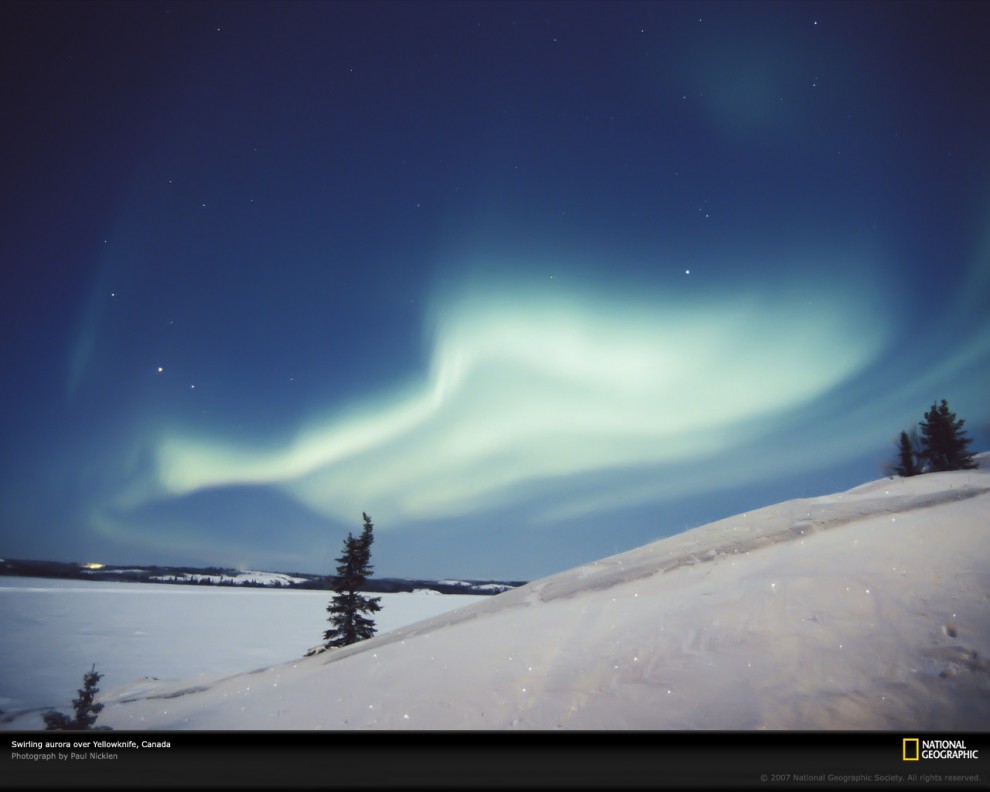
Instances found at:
x=86 y=710
x=347 y=609
x=907 y=457
x=943 y=441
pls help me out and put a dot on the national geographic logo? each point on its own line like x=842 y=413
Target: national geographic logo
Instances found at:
x=914 y=749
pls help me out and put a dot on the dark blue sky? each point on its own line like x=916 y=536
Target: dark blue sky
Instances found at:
x=530 y=283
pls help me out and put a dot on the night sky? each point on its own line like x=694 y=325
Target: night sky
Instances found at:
x=530 y=283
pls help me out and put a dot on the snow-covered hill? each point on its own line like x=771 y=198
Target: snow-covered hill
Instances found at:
x=251 y=577
x=868 y=609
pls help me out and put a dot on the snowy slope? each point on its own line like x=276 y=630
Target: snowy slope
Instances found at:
x=865 y=609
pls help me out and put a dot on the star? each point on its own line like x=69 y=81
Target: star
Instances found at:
x=160 y=370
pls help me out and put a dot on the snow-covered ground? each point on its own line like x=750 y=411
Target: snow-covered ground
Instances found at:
x=52 y=631
x=868 y=609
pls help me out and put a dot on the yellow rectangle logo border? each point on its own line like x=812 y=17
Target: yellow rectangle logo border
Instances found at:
x=917 y=749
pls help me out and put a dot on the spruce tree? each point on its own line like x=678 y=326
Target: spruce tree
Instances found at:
x=348 y=607
x=907 y=457
x=943 y=441
x=86 y=710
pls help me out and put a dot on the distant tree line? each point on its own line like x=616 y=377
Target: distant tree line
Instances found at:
x=938 y=443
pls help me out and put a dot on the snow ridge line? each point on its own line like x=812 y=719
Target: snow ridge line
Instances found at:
x=812 y=524
x=174 y=694
x=809 y=525
x=816 y=518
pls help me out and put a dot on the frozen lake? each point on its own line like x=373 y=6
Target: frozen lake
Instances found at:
x=52 y=631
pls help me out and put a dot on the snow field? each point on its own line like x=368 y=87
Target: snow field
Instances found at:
x=52 y=631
